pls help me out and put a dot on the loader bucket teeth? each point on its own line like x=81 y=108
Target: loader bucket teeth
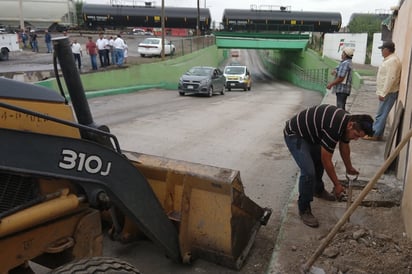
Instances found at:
x=216 y=220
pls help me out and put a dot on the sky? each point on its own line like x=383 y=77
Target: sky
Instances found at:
x=345 y=7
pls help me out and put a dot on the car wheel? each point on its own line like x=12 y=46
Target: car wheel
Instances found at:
x=142 y=55
x=210 y=94
x=181 y=93
x=229 y=89
x=223 y=91
x=4 y=56
x=249 y=88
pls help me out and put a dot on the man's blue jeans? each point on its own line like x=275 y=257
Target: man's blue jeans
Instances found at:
x=384 y=107
x=93 y=61
x=119 y=56
x=341 y=100
x=307 y=157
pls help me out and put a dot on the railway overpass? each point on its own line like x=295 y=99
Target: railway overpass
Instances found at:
x=241 y=40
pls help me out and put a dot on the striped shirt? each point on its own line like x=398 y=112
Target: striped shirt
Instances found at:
x=324 y=125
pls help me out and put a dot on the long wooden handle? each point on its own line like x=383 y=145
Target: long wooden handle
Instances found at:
x=306 y=267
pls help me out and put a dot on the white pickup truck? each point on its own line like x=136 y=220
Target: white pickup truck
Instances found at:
x=8 y=43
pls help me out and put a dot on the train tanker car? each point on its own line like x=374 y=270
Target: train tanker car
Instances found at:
x=118 y=16
x=280 y=20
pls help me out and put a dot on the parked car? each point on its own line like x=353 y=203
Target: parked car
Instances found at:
x=237 y=77
x=202 y=80
x=141 y=32
x=153 y=47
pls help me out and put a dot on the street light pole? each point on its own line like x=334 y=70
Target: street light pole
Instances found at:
x=21 y=15
x=163 y=29
x=198 y=19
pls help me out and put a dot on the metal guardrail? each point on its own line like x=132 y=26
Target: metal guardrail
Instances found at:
x=191 y=44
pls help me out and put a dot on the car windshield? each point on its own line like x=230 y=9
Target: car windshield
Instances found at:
x=235 y=70
x=199 y=71
x=151 y=41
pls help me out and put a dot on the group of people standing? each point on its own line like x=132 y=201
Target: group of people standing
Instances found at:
x=31 y=40
x=313 y=134
x=112 y=51
x=387 y=85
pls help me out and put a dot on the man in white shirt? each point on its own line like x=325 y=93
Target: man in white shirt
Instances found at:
x=102 y=43
x=387 y=87
x=77 y=53
x=118 y=46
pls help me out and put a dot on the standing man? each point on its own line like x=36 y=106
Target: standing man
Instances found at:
x=387 y=87
x=48 y=41
x=77 y=53
x=91 y=49
x=112 y=52
x=311 y=136
x=24 y=38
x=342 y=84
x=101 y=47
x=33 y=41
x=125 y=52
x=118 y=47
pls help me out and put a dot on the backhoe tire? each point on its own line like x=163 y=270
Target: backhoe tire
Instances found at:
x=96 y=265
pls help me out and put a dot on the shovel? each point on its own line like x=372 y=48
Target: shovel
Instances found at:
x=351 y=179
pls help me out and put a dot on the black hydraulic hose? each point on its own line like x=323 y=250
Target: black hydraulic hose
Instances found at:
x=64 y=54
x=56 y=72
x=62 y=49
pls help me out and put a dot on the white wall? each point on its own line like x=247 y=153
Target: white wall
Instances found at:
x=334 y=43
x=376 y=58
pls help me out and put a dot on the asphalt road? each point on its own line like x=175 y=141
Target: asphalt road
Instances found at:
x=239 y=130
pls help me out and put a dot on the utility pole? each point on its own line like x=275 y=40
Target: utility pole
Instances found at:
x=163 y=29
x=21 y=15
x=198 y=19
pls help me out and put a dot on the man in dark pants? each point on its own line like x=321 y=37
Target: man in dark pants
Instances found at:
x=342 y=84
x=101 y=44
x=311 y=136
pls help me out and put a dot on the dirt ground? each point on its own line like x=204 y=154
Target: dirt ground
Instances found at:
x=373 y=241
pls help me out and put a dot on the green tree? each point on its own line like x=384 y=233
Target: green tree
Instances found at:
x=79 y=7
x=369 y=23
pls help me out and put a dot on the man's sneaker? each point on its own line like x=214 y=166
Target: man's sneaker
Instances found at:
x=325 y=196
x=308 y=219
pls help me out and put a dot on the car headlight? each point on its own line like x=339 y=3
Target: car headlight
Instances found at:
x=205 y=81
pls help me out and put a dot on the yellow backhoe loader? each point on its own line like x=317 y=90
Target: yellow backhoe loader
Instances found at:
x=62 y=176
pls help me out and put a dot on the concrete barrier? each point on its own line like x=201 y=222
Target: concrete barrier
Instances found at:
x=164 y=74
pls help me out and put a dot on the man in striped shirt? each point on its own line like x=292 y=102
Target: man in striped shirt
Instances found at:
x=311 y=136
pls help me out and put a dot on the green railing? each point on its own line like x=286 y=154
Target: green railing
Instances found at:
x=263 y=35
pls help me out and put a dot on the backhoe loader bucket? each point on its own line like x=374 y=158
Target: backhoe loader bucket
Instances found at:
x=216 y=220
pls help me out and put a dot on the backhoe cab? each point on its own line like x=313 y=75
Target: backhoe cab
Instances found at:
x=61 y=175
